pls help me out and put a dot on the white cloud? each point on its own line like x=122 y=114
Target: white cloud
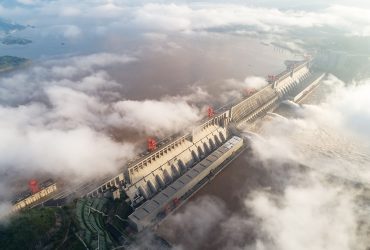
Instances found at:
x=234 y=89
x=301 y=208
x=169 y=17
x=172 y=17
x=5 y=208
x=311 y=214
x=155 y=36
x=77 y=65
x=28 y=2
x=83 y=73
x=57 y=118
x=80 y=152
x=100 y=17
x=154 y=117
x=71 y=31
x=196 y=222
x=70 y=11
x=332 y=139
x=250 y=82
x=315 y=217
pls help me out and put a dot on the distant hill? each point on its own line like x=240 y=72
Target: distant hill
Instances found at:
x=11 y=62
x=8 y=27
x=39 y=228
x=10 y=40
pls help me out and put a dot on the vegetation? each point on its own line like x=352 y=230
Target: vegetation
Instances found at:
x=10 y=40
x=73 y=243
x=86 y=222
x=11 y=62
x=7 y=27
x=47 y=228
x=28 y=229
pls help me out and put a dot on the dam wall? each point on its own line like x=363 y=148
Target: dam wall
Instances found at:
x=162 y=203
x=147 y=176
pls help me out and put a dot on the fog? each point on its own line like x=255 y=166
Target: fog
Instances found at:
x=60 y=119
x=278 y=203
x=76 y=118
x=104 y=75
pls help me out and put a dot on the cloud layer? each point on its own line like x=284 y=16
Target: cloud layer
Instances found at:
x=319 y=207
x=316 y=216
x=72 y=20
x=68 y=119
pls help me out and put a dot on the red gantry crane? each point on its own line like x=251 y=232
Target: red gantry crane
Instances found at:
x=34 y=186
x=152 y=144
x=250 y=91
x=210 y=112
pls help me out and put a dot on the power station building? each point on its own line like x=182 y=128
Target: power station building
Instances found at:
x=159 y=205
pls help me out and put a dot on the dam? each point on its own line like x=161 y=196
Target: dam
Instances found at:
x=168 y=172
x=172 y=170
x=170 y=197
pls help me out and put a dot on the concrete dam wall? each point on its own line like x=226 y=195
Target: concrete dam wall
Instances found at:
x=146 y=177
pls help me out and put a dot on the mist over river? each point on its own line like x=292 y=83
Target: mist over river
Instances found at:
x=301 y=166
